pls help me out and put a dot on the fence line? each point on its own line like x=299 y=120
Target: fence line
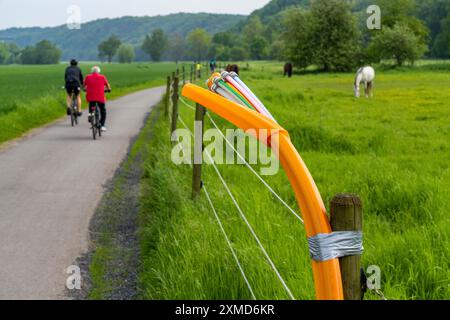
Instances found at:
x=248 y=165
x=229 y=243
x=227 y=239
x=255 y=236
x=186 y=104
x=244 y=218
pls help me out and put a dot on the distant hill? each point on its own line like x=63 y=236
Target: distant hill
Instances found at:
x=276 y=6
x=83 y=43
x=271 y=13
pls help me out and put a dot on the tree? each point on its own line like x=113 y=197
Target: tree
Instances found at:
x=254 y=28
x=199 y=41
x=226 y=39
x=326 y=35
x=403 y=12
x=399 y=43
x=436 y=15
x=109 y=47
x=47 y=53
x=126 y=53
x=44 y=52
x=4 y=53
x=14 y=53
x=258 y=48
x=238 y=54
x=441 y=45
x=295 y=39
x=333 y=37
x=155 y=44
x=220 y=52
x=28 y=55
x=177 y=47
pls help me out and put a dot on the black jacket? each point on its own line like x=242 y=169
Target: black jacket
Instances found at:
x=74 y=75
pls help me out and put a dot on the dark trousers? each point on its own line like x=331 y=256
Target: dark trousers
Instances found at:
x=102 y=108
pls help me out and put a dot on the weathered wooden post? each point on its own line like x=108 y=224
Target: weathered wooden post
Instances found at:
x=192 y=74
x=175 y=105
x=346 y=215
x=198 y=150
x=166 y=110
x=184 y=75
x=173 y=76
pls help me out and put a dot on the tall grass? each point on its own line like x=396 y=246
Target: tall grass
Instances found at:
x=392 y=150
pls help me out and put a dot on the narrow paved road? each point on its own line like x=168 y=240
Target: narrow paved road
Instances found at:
x=50 y=185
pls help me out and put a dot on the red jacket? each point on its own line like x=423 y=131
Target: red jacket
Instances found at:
x=95 y=87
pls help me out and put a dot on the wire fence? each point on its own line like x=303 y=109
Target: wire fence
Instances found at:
x=173 y=87
x=237 y=206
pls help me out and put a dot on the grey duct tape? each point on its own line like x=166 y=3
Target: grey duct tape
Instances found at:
x=324 y=247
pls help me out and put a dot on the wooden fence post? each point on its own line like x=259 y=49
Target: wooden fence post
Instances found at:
x=166 y=110
x=346 y=215
x=184 y=75
x=175 y=105
x=198 y=150
x=192 y=75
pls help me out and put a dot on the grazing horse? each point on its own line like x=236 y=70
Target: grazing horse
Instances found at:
x=366 y=75
x=288 y=69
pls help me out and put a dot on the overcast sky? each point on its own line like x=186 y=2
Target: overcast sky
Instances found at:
x=27 y=13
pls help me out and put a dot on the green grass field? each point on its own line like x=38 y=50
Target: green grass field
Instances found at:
x=31 y=96
x=392 y=150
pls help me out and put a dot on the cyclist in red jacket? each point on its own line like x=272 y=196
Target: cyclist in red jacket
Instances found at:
x=95 y=85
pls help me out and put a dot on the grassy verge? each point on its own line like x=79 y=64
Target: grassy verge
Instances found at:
x=392 y=150
x=114 y=262
x=32 y=96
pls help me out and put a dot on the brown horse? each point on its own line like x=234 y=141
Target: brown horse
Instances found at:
x=288 y=68
x=233 y=68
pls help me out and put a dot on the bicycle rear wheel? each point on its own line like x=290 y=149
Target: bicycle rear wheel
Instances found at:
x=99 y=126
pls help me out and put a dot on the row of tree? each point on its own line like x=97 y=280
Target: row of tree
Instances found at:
x=157 y=45
x=328 y=35
x=43 y=52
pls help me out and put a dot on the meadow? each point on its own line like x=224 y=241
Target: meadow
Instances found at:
x=31 y=96
x=392 y=150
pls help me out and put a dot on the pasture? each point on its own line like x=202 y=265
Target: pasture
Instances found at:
x=31 y=96
x=392 y=150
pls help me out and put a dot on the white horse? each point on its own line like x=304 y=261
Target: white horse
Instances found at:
x=366 y=75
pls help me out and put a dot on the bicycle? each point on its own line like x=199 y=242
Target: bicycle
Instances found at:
x=94 y=119
x=73 y=109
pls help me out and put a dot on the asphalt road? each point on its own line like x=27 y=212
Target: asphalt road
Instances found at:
x=50 y=186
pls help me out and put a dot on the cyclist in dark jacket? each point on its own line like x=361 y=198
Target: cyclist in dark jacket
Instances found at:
x=74 y=80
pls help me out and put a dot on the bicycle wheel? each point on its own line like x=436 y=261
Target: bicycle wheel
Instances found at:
x=72 y=118
x=94 y=128
x=99 y=127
